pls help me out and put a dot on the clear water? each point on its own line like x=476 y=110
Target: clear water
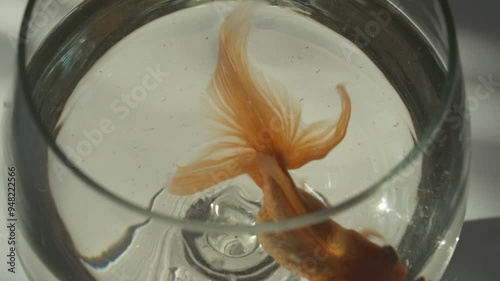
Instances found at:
x=135 y=114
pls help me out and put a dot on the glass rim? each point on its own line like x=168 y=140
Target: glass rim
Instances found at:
x=448 y=91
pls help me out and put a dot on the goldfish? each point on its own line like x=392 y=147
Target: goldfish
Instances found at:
x=257 y=130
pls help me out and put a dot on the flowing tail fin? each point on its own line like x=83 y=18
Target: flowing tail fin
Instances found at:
x=251 y=115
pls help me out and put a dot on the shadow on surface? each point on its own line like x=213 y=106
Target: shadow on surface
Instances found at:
x=476 y=257
x=485 y=156
x=479 y=16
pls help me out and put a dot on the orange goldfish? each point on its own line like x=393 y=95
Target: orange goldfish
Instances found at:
x=258 y=131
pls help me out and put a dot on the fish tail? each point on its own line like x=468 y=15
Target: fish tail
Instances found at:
x=251 y=115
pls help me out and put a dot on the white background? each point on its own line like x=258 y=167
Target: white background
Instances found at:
x=479 y=41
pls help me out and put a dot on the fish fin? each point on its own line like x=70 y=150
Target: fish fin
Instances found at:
x=233 y=112
x=207 y=172
x=317 y=139
x=256 y=108
x=370 y=234
x=261 y=106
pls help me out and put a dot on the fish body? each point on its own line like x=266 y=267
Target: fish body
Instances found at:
x=257 y=130
x=325 y=251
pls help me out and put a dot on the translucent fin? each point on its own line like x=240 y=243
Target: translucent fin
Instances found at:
x=242 y=102
x=370 y=234
x=231 y=108
x=209 y=171
x=318 y=139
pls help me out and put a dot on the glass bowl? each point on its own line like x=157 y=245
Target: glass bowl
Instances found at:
x=109 y=109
